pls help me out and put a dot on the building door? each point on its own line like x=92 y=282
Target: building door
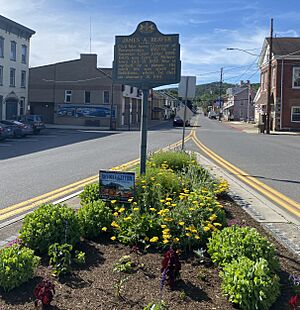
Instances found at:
x=44 y=109
x=11 y=108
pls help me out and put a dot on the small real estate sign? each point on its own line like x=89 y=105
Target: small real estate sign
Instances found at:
x=117 y=185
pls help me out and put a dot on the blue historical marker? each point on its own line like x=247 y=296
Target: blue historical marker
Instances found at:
x=146 y=59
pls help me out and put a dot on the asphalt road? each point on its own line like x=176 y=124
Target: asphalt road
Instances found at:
x=38 y=164
x=272 y=159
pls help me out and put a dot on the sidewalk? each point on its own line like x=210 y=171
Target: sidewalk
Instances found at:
x=133 y=127
x=253 y=128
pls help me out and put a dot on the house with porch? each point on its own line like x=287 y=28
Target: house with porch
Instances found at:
x=14 y=59
x=285 y=84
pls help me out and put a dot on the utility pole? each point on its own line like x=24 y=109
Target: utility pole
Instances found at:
x=220 y=95
x=268 y=120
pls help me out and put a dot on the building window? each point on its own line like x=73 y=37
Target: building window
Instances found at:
x=273 y=77
x=123 y=87
x=68 y=96
x=1 y=47
x=12 y=77
x=1 y=76
x=296 y=77
x=106 y=96
x=131 y=89
x=296 y=114
x=87 y=96
x=13 y=50
x=24 y=54
x=23 y=79
x=22 y=105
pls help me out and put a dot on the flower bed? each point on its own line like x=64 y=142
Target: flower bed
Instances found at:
x=179 y=211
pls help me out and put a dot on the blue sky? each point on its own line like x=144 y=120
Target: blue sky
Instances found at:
x=206 y=29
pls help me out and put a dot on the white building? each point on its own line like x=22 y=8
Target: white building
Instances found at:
x=14 y=58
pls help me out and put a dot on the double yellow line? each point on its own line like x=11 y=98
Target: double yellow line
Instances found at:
x=59 y=193
x=266 y=190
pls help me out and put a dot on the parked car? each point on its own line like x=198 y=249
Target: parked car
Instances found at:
x=3 y=132
x=9 y=130
x=19 y=129
x=178 y=121
x=212 y=115
x=35 y=121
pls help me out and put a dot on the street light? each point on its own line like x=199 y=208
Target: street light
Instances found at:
x=241 y=50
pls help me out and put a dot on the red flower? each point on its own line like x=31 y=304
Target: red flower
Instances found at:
x=293 y=302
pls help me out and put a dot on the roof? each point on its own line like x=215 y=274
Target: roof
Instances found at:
x=17 y=29
x=284 y=46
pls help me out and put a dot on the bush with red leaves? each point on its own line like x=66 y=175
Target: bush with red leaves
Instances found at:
x=170 y=268
x=44 y=292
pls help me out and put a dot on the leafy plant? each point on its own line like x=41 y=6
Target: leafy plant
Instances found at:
x=44 y=292
x=172 y=159
x=170 y=268
x=295 y=281
x=251 y=285
x=50 y=224
x=200 y=255
x=92 y=217
x=293 y=302
x=89 y=194
x=60 y=258
x=17 y=265
x=120 y=285
x=124 y=264
x=232 y=242
x=79 y=257
x=160 y=305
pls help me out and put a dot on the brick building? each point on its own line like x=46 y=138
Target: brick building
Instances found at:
x=285 y=83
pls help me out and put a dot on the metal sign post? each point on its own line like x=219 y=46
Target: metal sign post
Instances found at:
x=186 y=90
x=146 y=59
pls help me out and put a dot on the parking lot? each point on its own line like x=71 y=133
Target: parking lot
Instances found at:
x=47 y=139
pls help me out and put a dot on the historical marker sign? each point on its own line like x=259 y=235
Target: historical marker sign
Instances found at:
x=147 y=58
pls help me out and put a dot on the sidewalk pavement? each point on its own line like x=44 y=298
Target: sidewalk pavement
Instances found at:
x=253 y=128
x=133 y=127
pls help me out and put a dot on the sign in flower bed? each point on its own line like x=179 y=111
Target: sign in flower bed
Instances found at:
x=170 y=246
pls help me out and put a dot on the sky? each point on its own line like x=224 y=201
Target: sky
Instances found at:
x=206 y=29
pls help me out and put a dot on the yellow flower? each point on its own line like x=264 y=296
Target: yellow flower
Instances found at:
x=113 y=201
x=127 y=218
x=188 y=234
x=181 y=223
x=136 y=209
x=217 y=224
x=116 y=214
x=135 y=203
x=194 y=231
x=206 y=228
x=166 y=241
x=213 y=217
x=176 y=240
x=163 y=226
x=197 y=237
x=130 y=199
x=152 y=179
x=166 y=236
x=192 y=209
x=121 y=209
x=194 y=201
x=186 y=190
x=143 y=181
x=173 y=204
x=152 y=209
x=169 y=199
x=154 y=239
x=113 y=238
x=168 y=203
x=104 y=229
x=146 y=239
x=162 y=200
x=168 y=219
x=144 y=186
x=114 y=224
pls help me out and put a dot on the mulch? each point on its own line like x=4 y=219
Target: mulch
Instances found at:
x=92 y=285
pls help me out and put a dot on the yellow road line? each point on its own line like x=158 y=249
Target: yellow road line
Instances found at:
x=269 y=192
x=63 y=191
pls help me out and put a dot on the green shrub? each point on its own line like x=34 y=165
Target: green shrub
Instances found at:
x=250 y=284
x=160 y=305
x=176 y=160
x=233 y=242
x=90 y=193
x=60 y=258
x=17 y=265
x=50 y=224
x=92 y=217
